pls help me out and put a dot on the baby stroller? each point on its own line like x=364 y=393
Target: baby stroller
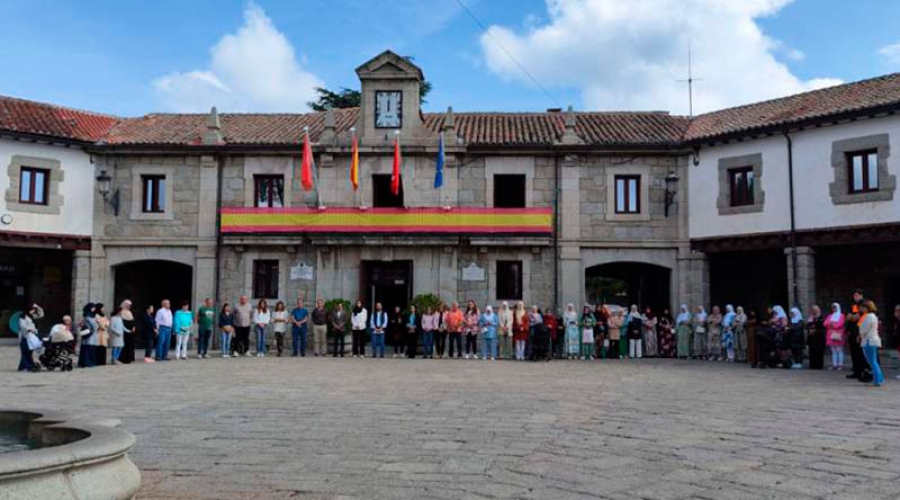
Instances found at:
x=540 y=348
x=59 y=348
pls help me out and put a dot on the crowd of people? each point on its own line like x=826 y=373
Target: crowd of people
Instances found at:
x=776 y=338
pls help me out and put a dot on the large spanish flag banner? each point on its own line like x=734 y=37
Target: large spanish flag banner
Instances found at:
x=354 y=163
x=462 y=220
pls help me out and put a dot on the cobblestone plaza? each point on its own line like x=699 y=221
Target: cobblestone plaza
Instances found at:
x=449 y=429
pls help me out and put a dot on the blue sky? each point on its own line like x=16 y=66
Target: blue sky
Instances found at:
x=131 y=58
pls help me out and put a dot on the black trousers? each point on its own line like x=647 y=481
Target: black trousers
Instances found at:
x=412 y=344
x=860 y=365
x=358 y=343
x=613 y=352
x=471 y=343
x=455 y=339
x=339 y=343
x=149 y=336
x=241 y=339
x=440 y=343
x=279 y=342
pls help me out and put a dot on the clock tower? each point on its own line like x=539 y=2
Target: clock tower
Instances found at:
x=389 y=87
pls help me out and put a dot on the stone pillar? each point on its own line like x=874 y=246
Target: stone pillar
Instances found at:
x=206 y=214
x=693 y=279
x=81 y=281
x=571 y=272
x=802 y=284
x=571 y=277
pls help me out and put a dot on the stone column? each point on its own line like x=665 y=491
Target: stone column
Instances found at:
x=802 y=284
x=571 y=272
x=81 y=281
x=693 y=279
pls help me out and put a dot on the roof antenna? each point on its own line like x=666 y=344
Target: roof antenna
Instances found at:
x=690 y=81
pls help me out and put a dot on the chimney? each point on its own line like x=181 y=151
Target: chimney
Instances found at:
x=213 y=135
x=328 y=135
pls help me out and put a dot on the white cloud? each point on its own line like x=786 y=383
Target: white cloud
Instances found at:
x=626 y=54
x=253 y=69
x=891 y=54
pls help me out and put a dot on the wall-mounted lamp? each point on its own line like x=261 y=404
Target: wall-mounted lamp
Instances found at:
x=104 y=185
x=671 y=190
x=695 y=158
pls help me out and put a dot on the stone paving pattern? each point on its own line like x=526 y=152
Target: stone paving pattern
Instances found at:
x=283 y=428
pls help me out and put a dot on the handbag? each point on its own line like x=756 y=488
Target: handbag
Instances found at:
x=836 y=337
x=34 y=343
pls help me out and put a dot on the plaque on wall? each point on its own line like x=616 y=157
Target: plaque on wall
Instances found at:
x=472 y=272
x=302 y=272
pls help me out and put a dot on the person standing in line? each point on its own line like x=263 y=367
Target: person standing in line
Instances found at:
x=488 y=324
x=184 y=320
x=684 y=332
x=440 y=335
x=88 y=330
x=279 y=326
x=648 y=333
x=319 y=318
x=412 y=330
x=128 y=321
x=587 y=333
x=27 y=329
x=815 y=338
x=395 y=330
x=164 y=328
x=261 y=319
x=714 y=334
x=870 y=340
x=299 y=322
x=148 y=332
x=471 y=329
x=835 y=336
x=359 y=317
x=535 y=318
x=521 y=328
x=700 y=325
x=616 y=322
x=728 y=332
x=379 y=324
x=635 y=338
x=861 y=369
x=551 y=323
x=116 y=336
x=226 y=326
x=795 y=340
x=504 y=330
x=740 y=335
x=601 y=331
x=454 y=320
x=102 y=334
x=338 y=329
x=206 y=321
x=243 y=320
x=573 y=337
x=666 y=329
x=753 y=329
x=431 y=321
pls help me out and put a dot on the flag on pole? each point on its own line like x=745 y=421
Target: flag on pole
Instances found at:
x=395 y=175
x=307 y=165
x=439 y=167
x=354 y=163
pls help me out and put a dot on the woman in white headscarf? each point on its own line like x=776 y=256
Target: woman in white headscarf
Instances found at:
x=635 y=338
x=728 y=332
x=573 y=339
x=740 y=335
x=683 y=332
x=796 y=338
x=835 y=336
x=699 y=325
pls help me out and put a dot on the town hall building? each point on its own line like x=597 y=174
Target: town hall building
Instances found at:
x=788 y=201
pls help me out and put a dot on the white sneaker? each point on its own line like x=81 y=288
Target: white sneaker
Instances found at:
x=248 y=354
x=226 y=355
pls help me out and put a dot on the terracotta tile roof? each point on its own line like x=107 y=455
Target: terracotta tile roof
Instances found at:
x=37 y=118
x=848 y=98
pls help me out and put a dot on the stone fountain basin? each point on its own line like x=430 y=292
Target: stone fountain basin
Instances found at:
x=74 y=458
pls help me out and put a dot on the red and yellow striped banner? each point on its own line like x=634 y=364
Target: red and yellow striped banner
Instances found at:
x=462 y=220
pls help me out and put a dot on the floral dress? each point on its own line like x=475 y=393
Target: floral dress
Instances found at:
x=714 y=336
x=666 y=338
x=649 y=334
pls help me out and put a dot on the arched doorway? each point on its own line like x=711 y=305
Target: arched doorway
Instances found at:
x=627 y=283
x=147 y=282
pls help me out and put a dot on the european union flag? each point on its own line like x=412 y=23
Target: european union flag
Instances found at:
x=439 y=167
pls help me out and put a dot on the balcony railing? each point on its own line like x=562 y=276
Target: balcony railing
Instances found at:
x=353 y=220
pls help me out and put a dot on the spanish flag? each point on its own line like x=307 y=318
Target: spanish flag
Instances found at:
x=354 y=163
x=307 y=166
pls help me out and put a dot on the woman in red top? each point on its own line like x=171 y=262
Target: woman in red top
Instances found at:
x=520 y=329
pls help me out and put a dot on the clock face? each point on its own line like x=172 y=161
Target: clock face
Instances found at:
x=387 y=108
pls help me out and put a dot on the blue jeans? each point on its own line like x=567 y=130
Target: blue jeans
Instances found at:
x=428 y=343
x=26 y=362
x=163 y=342
x=260 y=339
x=298 y=333
x=116 y=352
x=377 y=345
x=226 y=342
x=871 y=353
x=203 y=337
x=488 y=347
